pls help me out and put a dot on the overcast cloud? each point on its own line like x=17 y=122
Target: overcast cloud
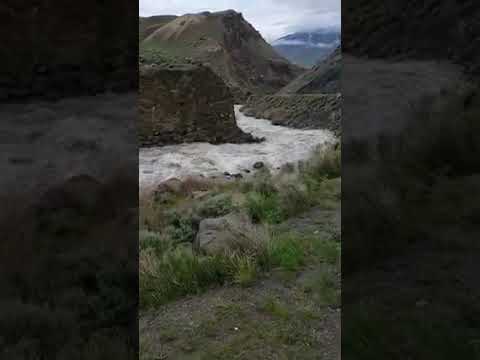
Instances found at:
x=273 y=18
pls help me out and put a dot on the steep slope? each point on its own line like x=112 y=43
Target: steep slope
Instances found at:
x=230 y=46
x=312 y=101
x=185 y=103
x=323 y=78
x=308 y=48
x=148 y=25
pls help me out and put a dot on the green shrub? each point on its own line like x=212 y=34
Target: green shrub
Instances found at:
x=325 y=164
x=216 y=206
x=245 y=270
x=286 y=252
x=264 y=208
x=153 y=240
x=293 y=200
x=179 y=273
x=181 y=229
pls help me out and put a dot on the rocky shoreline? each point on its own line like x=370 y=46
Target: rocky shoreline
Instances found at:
x=298 y=111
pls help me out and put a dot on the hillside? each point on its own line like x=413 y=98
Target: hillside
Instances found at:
x=148 y=25
x=230 y=46
x=308 y=48
x=323 y=78
x=312 y=101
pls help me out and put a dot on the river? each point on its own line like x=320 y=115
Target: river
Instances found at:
x=282 y=145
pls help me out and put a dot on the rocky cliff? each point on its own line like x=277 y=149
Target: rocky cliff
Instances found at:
x=56 y=48
x=185 y=103
x=230 y=46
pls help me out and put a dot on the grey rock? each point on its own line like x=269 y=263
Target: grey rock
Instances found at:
x=258 y=165
x=227 y=233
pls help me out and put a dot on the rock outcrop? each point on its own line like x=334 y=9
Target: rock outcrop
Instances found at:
x=55 y=48
x=186 y=103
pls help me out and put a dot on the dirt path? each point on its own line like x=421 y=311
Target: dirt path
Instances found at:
x=281 y=317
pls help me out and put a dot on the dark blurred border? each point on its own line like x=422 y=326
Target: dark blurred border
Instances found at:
x=69 y=183
x=411 y=179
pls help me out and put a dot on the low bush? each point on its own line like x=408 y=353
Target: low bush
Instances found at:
x=155 y=241
x=181 y=228
x=264 y=207
x=180 y=272
x=285 y=251
x=246 y=270
x=326 y=163
x=216 y=206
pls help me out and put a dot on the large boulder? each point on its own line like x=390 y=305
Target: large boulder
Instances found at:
x=185 y=103
x=228 y=233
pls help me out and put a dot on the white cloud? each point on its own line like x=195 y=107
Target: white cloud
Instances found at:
x=302 y=43
x=273 y=18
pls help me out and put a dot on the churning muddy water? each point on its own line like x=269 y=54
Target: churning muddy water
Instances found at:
x=282 y=145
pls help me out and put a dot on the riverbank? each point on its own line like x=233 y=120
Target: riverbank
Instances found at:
x=283 y=271
x=282 y=146
x=299 y=111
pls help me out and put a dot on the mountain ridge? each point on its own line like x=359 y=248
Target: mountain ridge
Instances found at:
x=230 y=46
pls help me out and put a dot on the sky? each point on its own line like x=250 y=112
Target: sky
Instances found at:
x=273 y=18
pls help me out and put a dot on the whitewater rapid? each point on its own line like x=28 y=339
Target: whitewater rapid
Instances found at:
x=282 y=145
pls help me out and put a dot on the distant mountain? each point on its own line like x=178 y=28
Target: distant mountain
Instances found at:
x=308 y=48
x=229 y=45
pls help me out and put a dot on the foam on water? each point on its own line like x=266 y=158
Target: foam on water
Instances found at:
x=282 y=145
